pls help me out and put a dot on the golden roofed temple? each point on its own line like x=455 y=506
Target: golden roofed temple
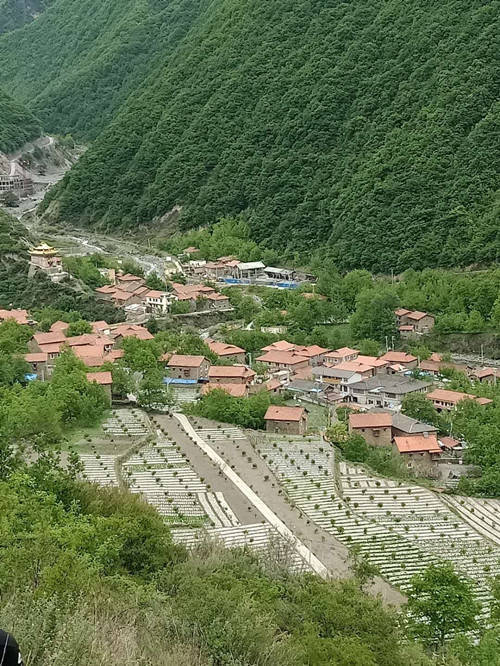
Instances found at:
x=44 y=258
x=43 y=250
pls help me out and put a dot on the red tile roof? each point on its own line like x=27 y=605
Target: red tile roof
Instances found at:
x=103 y=378
x=20 y=316
x=59 y=326
x=235 y=390
x=281 y=345
x=487 y=372
x=373 y=361
x=49 y=338
x=415 y=314
x=282 y=358
x=36 y=357
x=417 y=444
x=272 y=385
x=370 y=420
x=223 y=349
x=277 y=413
x=398 y=357
x=449 y=442
x=444 y=395
x=233 y=371
x=342 y=352
x=400 y=312
x=355 y=366
x=185 y=361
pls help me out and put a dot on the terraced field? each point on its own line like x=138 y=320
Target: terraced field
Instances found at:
x=99 y=469
x=401 y=527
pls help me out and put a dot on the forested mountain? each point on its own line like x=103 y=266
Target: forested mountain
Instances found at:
x=17 y=124
x=15 y=13
x=368 y=126
x=78 y=62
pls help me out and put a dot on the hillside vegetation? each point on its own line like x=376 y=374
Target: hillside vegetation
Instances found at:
x=17 y=124
x=368 y=126
x=80 y=60
x=15 y=13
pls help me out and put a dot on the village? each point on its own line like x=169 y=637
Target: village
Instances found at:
x=264 y=445
x=373 y=388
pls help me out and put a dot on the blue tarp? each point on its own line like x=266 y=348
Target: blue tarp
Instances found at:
x=182 y=382
x=29 y=377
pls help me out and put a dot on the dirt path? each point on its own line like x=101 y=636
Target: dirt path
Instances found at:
x=323 y=545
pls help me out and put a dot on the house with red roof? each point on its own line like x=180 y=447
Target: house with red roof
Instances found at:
x=231 y=374
x=19 y=316
x=104 y=379
x=443 y=399
x=287 y=420
x=421 y=452
x=413 y=322
x=187 y=366
x=341 y=355
x=283 y=360
x=234 y=390
x=374 y=427
x=228 y=352
x=400 y=358
x=487 y=375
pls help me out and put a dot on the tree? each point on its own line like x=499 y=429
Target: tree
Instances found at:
x=364 y=571
x=440 y=603
x=10 y=199
x=154 y=281
x=78 y=328
x=418 y=406
x=374 y=316
x=368 y=347
x=153 y=393
x=337 y=433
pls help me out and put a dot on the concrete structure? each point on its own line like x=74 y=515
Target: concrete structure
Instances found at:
x=186 y=366
x=448 y=400
x=157 y=302
x=45 y=258
x=289 y=420
x=16 y=183
x=250 y=269
x=375 y=428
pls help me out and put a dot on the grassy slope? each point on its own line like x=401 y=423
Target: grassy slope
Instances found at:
x=366 y=125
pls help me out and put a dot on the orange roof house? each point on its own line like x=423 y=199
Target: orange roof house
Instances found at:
x=229 y=374
x=19 y=316
x=187 y=366
x=402 y=358
x=59 y=326
x=445 y=399
x=224 y=350
x=49 y=338
x=283 y=359
x=104 y=379
x=291 y=420
x=418 y=444
x=370 y=420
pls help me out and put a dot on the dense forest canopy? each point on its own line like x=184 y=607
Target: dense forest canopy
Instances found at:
x=15 y=13
x=17 y=124
x=80 y=60
x=368 y=126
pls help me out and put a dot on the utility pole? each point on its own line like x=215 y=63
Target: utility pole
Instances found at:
x=386 y=343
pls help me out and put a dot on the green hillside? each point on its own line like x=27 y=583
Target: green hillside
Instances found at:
x=80 y=60
x=15 y=13
x=17 y=124
x=366 y=125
